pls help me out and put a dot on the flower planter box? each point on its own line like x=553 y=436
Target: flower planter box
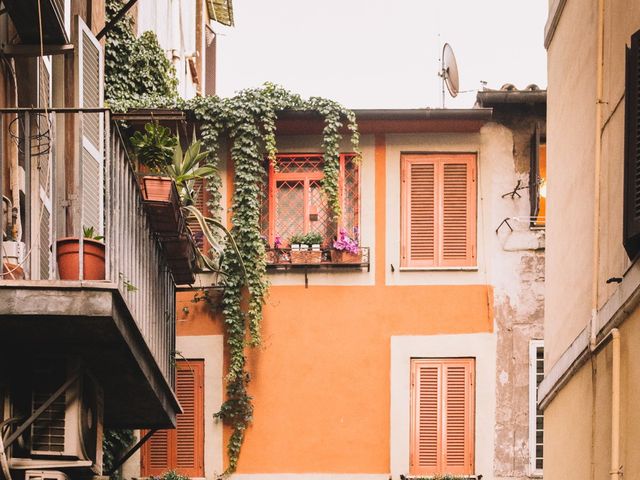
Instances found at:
x=342 y=256
x=180 y=252
x=306 y=256
x=162 y=202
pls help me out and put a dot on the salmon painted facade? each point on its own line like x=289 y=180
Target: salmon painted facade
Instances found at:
x=419 y=357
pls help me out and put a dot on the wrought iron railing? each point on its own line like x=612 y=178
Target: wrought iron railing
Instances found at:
x=59 y=188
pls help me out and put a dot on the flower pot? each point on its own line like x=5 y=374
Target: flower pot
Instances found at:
x=343 y=256
x=68 y=257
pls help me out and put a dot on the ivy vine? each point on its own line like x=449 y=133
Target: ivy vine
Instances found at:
x=248 y=121
x=135 y=66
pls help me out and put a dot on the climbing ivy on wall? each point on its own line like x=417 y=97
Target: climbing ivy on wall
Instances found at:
x=248 y=122
x=135 y=66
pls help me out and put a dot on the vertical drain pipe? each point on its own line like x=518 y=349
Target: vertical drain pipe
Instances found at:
x=614 y=473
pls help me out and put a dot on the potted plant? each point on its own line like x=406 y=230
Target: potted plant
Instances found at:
x=309 y=248
x=346 y=249
x=93 y=259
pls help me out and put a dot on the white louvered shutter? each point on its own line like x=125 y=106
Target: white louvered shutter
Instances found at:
x=89 y=90
x=42 y=137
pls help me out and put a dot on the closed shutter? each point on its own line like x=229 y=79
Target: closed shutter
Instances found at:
x=202 y=197
x=419 y=185
x=42 y=174
x=442 y=416
x=631 y=229
x=89 y=94
x=181 y=449
x=438 y=210
x=457 y=216
x=457 y=452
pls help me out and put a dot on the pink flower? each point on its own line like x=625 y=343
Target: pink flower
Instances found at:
x=345 y=243
x=277 y=242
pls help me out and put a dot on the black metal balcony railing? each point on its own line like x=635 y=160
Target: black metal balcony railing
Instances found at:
x=57 y=189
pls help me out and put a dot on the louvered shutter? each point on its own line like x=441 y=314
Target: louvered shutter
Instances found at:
x=426 y=417
x=457 y=214
x=181 y=449
x=457 y=444
x=89 y=94
x=189 y=437
x=631 y=228
x=439 y=210
x=42 y=174
x=442 y=417
x=420 y=210
x=202 y=196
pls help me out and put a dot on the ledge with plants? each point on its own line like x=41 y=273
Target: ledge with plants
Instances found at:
x=310 y=250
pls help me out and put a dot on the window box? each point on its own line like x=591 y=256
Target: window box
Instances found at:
x=162 y=202
x=285 y=258
x=181 y=257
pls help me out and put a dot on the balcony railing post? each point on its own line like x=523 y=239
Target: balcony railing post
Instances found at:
x=26 y=226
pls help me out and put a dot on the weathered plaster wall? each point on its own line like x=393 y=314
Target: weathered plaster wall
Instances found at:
x=516 y=270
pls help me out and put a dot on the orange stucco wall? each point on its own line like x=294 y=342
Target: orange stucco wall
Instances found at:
x=321 y=378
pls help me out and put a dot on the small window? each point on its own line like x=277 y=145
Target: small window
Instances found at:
x=536 y=418
x=180 y=449
x=295 y=202
x=538 y=180
x=438 y=210
x=442 y=416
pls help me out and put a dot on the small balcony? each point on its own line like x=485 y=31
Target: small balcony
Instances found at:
x=65 y=177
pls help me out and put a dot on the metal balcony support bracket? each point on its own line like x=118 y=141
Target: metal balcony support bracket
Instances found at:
x=123 y=11
x=21 y=429
x=133 y=449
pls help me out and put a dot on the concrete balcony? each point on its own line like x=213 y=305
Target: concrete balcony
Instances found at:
x=121 y=323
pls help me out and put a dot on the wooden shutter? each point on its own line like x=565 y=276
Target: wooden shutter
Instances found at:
x=457 y=217
x=442 y=416
x=438 y=210
x=181 y=449
x=89 y=94
x=420 y=195
x=631 y=223
x=202 y=197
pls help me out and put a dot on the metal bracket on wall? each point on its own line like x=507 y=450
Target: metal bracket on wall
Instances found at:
x=133 y=449
x=504 y=222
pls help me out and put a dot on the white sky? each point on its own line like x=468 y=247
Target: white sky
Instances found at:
x=382 y=54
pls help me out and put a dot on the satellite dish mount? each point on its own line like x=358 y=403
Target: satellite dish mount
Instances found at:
x=449 y=72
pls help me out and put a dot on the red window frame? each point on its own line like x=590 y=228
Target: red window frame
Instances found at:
x=275 y=176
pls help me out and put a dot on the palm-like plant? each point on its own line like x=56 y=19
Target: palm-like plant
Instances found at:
x=187 y=168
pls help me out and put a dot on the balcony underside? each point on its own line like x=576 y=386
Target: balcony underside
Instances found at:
x=89 y=319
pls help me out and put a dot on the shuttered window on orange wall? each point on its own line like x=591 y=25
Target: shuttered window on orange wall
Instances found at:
x=180 y=449
x=438 y=210
x=201 y=199
x=442 y=416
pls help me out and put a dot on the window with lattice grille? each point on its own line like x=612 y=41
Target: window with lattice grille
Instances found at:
x=294 y=202
x=442 y=416
x=438 y=210
x=180 y=449
x=536 y=416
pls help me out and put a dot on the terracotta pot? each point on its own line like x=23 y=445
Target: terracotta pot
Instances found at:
x=68 y=257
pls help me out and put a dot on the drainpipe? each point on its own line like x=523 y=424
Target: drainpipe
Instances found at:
x=615 y=472
x=596 y=174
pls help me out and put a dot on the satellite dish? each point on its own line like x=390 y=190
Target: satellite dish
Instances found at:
x=449 y=72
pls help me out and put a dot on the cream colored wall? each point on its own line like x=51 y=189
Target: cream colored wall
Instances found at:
x=570 y=153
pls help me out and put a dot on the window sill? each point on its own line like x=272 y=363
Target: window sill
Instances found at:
x=439 y=269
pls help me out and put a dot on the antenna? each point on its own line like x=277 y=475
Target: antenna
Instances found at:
x=449 y=72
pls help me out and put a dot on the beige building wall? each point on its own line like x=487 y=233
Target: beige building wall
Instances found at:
x=578 y=401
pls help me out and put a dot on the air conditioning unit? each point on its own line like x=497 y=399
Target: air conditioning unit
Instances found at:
x=68 y=434
x=45 y=475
